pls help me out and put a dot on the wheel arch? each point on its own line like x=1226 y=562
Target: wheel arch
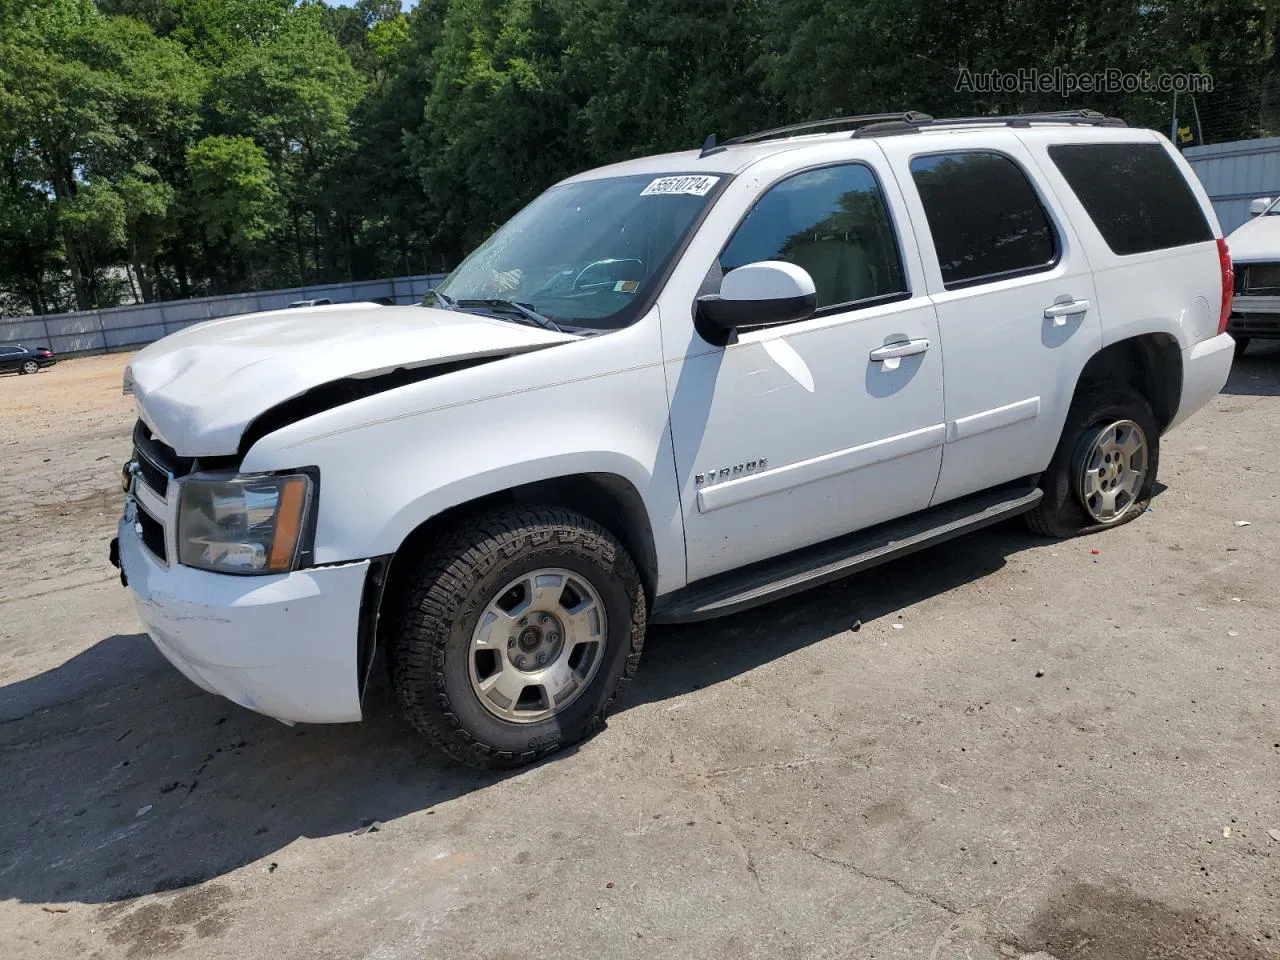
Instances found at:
x=1151 y=363
x=609 y=499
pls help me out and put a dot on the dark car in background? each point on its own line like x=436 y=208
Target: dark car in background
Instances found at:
x=16 y=357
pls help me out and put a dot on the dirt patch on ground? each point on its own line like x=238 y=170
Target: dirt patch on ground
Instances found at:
x=65 y=434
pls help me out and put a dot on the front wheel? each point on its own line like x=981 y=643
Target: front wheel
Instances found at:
x=516 y=635
x=1242 y=344
x=1104 y=470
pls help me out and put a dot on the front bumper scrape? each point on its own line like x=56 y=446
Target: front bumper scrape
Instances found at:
x=283 y=645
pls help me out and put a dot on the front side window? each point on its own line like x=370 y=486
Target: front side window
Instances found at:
x=585 y=254
x=986 y=219
x=834 y=223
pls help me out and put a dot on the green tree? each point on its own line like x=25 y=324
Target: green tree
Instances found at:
x=94 y=100
x=194 y=145
x=663 y=75
x=498 y=122
x=380 y=175
x=232 y=197
x=294 y=96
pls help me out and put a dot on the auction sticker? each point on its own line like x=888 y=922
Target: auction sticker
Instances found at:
x=695 y=186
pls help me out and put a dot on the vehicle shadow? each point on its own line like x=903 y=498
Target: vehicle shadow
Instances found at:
x=120 y=778
x=1257 y=373
x=687 y=657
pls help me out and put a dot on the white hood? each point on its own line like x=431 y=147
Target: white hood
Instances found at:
x=1258 y=239
x=199 y=388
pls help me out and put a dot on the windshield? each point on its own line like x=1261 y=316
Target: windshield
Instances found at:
x=584 y=254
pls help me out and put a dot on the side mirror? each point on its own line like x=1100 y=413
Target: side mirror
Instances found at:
x=1259 y=206
x=756 y=295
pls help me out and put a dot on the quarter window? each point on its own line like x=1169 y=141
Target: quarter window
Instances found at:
x=986 y=219
x=834 y=223
x=1134 y=193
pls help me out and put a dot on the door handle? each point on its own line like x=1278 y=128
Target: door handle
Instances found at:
x=1058 y=312
x=891 y=354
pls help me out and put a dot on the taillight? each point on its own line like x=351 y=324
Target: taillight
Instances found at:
x=1228 y=284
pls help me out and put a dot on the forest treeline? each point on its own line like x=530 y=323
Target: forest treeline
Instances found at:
x=159 y=149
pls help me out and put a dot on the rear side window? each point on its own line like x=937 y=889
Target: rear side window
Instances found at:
x=986 y=219
x=1134 y=193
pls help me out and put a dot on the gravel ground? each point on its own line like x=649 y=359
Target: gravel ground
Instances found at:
x=1029 y=749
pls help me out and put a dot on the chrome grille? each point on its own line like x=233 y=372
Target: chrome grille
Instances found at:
x=157 y=461
x=156 y=466
x=1259 y=279
x=152 y=533
x=152 y=475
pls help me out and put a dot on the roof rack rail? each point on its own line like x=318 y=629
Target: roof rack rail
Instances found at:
x=888 y=124
x=1087 y=117
x=1074 y=117
x=778 y=133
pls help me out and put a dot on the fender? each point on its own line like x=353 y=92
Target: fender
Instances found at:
x=1163 y=326
x=387 y=464
x=1139 y=299
x=669 y=562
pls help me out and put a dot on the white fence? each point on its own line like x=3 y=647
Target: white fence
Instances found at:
x=1235 y=173
x=126 y=328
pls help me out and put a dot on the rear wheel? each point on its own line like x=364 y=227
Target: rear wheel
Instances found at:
x=1242 y=344
x=30 y=366
x=516 y=635
x=1104 y=470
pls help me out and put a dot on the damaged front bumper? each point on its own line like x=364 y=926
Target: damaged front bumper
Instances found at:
x=283 y=645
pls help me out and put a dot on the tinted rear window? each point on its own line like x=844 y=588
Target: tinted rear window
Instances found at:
x=1134 y=193
x=986 y=219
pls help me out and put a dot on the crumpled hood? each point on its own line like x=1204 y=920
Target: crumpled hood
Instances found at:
x=1257 y=239
x=199 y=389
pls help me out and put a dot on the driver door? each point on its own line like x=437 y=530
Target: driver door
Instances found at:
x=799 y=433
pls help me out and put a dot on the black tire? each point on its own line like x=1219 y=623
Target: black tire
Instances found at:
x=1242 y=344
x=29 y=366
x=431 y=642
x=1061 y=513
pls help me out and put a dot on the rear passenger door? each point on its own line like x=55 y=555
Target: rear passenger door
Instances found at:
x=1014 y=293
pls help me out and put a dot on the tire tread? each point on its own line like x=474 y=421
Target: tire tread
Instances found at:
x=441 y=592
x=1058 y=515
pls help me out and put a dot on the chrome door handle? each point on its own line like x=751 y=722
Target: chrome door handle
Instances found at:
x=891 y=354
x=1058 y=312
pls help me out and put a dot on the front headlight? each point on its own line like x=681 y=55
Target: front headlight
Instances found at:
x=248 y=525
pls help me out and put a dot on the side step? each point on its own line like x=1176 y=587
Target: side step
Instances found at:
x=833 y=559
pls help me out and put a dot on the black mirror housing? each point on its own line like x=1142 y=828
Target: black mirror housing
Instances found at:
x=761 y=294
x=718 y=319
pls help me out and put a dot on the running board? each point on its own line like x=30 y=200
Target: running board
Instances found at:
x=834 y=559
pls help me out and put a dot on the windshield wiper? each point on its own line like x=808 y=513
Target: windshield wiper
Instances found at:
x=443 y=299
x=527 y=313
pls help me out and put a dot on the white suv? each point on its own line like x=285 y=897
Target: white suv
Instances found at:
x=666 y=390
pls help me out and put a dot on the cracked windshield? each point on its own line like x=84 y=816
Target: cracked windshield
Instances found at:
x=583 y=255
